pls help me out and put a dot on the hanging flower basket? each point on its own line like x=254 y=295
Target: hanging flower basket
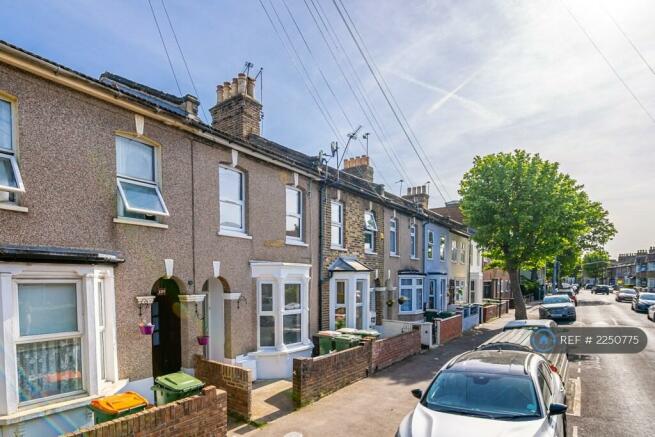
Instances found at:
x=146 y=328
x=402 y=299
x=203 y=340
x=390 y=302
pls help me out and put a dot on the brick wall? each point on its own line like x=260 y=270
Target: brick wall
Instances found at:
x=449 y=328
x=387 y=351
x=353 y=230
x=316 y=377
x=504 y=307
x=489 y=312
x=200 y=416
x=236 y=381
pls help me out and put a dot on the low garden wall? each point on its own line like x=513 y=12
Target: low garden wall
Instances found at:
x=204 y=415
x=448 y=329
x=390 y=350
x=235 y=380
x=504 y=307
x=490 y=312
x=316 y=377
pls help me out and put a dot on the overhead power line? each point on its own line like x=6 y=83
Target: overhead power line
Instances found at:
x=328 y=85
x=625 y=35
x=161 y=37
x=609 y=64
x=348 y=82
x=186 y=65
x=386 y=97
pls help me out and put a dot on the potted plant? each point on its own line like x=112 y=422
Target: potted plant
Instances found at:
x=203 y=340
x=146 y=328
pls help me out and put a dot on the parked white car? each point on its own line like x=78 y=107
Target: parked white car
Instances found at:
x=490 y=393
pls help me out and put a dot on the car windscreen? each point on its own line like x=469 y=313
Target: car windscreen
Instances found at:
x=628 y=291
x=647 y=296
x=483 y=394
x=556 y=299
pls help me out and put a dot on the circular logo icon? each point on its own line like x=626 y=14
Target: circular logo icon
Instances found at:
x=543 y=340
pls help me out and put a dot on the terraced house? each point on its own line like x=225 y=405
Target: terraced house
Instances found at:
x=118 y=208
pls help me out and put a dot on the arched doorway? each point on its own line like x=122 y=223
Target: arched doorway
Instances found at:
x=166 y=341
x=215 y=320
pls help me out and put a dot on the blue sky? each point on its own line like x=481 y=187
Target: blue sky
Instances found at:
x=471 y=76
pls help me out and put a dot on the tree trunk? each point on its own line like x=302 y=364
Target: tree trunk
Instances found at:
x=520 y=313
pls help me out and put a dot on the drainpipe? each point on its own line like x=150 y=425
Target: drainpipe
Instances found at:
x=321 y=208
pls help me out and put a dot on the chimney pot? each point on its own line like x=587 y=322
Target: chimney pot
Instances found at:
x=250 y=87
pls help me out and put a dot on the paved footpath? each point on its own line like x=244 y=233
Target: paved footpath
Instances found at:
x=374 y=406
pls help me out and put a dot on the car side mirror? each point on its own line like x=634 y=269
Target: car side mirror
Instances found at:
x=556 y=409
x=417 y=393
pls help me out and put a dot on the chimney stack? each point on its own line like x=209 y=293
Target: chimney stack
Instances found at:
x=359 y=166
x=237 y=111
x=418 y=195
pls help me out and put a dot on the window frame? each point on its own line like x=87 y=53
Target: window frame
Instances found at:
x=299 y=311
x=453 y=251
x=370 y=232
x=241 y=203
x=393 y=236
x=339 y=225
x=430 y=245
x=265 y=313
x=350 y=305
x=415 y=290
x=442 y=247
x=297 y=215
x=413 y=241
x=155 y=183
x=462 y=252
x=12 y=152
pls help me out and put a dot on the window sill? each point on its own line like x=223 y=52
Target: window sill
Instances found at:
x=339 y=248
x=235 y=234
x=368 y=252
x=127 y=221
x=413 y=258
x=295 y=243
x=12 y=207
x=394 y=255
x=58 y=406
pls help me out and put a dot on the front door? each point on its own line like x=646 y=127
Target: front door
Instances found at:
x=166 y=342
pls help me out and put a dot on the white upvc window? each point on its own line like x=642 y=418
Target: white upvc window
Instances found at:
x=412 y=241
x=393 y=237
x=430 y=249
x=370 y=231
x=137 y=172
x=453 y=251
x=60 y=339
x=411 y=290
x=350 y=301
x=282 y=305
x=10 y=178
x=462 y=252
x=336 y=224
x=442 y=248
x=231 y=187
x=294 y=214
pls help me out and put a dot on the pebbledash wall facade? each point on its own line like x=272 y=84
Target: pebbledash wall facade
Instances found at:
x=120 y=207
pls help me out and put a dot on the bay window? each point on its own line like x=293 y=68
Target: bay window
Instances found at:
x=411 y=294
x=336 y=224
x=294 y=216
x=393 y=237
x=370 y=231
x=139 y=195
x=282 y=305
x=10 y=178
x=231 y=188
x=60 y=337
x=350 y=300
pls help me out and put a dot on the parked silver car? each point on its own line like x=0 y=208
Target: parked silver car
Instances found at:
x=625 y=295
x=557 y=306
x=509 y=393
x=642 y=302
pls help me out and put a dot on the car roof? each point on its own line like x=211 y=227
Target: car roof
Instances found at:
x=519 y=337
x=508 y=362
x=514 y=324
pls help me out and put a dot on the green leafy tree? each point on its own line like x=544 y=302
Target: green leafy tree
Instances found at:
x=525 y=212
x=595 y=263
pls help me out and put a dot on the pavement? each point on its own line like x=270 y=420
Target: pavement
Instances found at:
x=373 y=406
